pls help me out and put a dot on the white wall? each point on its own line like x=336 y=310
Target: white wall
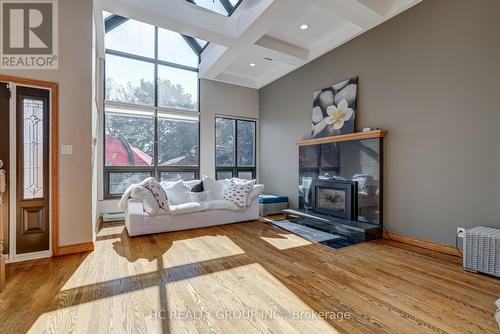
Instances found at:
x=216 y=98
x=75 y=84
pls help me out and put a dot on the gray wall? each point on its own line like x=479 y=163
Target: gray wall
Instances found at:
x=217 y=98
x=431 y=76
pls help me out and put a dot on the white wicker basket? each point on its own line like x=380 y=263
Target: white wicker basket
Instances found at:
x=272 y=208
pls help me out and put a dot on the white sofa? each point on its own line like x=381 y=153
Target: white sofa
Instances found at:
x=189 y=215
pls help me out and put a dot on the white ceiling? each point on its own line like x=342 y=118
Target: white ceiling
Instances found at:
x=261 y=29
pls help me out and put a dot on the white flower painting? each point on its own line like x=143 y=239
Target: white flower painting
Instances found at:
x=334 y=109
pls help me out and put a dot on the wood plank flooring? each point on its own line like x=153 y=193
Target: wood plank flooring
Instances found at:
x=245 y=278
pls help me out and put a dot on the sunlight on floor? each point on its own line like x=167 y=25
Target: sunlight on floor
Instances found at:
x=103 y=271
x=201 y=249
x=240 y=300
x=287 y=241
x=121 y=313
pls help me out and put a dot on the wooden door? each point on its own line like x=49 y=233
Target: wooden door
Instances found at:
x=4 y=157
x=32 y=220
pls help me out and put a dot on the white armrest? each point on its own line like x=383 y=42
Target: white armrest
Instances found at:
x=254 y=194
x=134 y=217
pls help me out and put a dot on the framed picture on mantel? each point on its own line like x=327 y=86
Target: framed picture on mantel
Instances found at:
x=334 y=109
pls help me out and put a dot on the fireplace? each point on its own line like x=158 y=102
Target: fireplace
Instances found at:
x=335 y=198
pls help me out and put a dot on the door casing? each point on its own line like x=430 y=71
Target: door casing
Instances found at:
x=54 y=152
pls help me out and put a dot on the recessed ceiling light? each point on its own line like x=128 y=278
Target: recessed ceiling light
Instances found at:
x=252 y=65
x=304 y=27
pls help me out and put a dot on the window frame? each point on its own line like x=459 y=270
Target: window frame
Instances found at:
x=235 y=168
x=155 y=169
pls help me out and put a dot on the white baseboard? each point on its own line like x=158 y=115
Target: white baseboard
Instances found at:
x=28 y=256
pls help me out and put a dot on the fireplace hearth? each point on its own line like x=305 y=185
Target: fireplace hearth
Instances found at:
x=336 y=198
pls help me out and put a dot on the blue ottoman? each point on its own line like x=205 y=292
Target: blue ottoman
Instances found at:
x=272 y=204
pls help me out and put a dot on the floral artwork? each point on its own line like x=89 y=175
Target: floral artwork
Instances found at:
x=334 y=109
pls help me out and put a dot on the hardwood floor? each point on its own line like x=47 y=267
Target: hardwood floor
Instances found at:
x=244 y=278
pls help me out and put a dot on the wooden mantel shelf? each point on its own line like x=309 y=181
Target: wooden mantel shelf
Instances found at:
x=346 y=137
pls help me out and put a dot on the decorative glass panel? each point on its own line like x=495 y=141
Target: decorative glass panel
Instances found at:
x=33 y=167
x=246 y=143
x=173 y=48
x=177 y=140
x=176 y=176
x=177 y=88
x=224 y=175
x=245 y=175
x=224 y=142
x=129 y=80
x=129 y=137
x=132 y=37
x=120 y=181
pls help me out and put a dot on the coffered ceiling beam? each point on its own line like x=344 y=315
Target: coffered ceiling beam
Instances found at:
x=293 y=53
x=254 y=23
x=361 y=14
x=237 y=80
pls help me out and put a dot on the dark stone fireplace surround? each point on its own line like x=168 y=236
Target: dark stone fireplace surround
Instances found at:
x=355 y=166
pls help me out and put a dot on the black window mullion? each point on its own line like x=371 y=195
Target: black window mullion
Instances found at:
x=235 y=169
x=155 y=135
x=227 y=6
x=155 y=169
x=235 y=142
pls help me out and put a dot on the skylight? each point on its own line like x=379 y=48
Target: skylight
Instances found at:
x=223 y=7
x=121 y=30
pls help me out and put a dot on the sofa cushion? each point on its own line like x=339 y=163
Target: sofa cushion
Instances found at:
x=158 y=192
x=194 y=207
x=198 y=196
x=177 y=192
x=237 y=193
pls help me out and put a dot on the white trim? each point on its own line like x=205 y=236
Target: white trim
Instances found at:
x=30 y=256
x=243 y=118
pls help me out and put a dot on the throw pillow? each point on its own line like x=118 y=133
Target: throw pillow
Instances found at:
x=158 y=193
x=197 y=188
x=177 y=192
x=215 y=187
x=237 y=193
x=243 y=181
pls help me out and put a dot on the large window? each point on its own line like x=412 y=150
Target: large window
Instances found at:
x=235 y=148
x=151 y=104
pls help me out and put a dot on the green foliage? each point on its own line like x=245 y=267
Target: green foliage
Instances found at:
x=177 y=140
